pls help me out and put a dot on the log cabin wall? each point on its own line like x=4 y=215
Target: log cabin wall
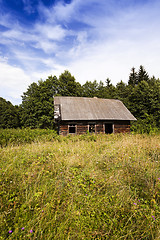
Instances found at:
x=81 y=127
x=122 y=127
x=63 y=129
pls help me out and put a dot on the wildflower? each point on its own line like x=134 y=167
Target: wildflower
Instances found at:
x=158 y=178
x=42 y=210
x=135 y=203
x=22 y=228
x=69 y=179
x=86 y=194
x=31 y=231
x=10 y=231
x=153 y=217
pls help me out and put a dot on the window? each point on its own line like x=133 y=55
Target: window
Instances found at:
x=91 y=128
x=72 y=128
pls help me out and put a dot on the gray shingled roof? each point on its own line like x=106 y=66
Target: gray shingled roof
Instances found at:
x=82 y=108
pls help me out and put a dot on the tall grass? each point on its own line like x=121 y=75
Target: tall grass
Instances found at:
x=82 y=187
x=21 y=136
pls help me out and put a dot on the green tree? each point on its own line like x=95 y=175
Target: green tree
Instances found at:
x=154 y=104
x=144 y=101
x=142 y=75
x=110 y=89
x=122 y=92
x=139 y=99
x=101 y=90
x=67 y=85
x=133 y=78
x=37 y=104
x=9 y=117
x=142 y=97
x=90 y=89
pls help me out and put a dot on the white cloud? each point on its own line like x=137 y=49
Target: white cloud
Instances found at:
x=114 y=60
x=108 y=42
x=46 y=46
x=13 y=82
x=53 y=32
x=66 y=12
x=59 y=12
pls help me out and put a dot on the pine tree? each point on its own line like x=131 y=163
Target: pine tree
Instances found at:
x=142 y=74
x=133 y=78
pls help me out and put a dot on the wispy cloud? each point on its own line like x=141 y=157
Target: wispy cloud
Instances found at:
x=93 y=39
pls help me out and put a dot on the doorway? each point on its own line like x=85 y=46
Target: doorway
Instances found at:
x=108 y=128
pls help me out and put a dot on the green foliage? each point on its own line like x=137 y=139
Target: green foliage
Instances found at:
x=90 y=89
x=142 y=97
x=144 y=102
x=145 y=125
x=68 y=86
x=81 y=189
x=37 y=104
x=100 y=90
x=135 y=78
x=8 y=114
x=123 y=92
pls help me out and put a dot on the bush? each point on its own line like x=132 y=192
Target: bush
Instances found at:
x=147 y=125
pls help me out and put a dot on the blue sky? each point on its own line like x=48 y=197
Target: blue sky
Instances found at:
x=93 y=39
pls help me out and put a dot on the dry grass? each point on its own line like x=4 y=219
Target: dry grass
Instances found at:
x=82 y=187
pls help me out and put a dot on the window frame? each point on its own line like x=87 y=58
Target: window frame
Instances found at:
x=72 y=126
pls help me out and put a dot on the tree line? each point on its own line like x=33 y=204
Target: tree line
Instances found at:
x=141 y=95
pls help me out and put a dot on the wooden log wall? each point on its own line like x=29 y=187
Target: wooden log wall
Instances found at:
x=121 y=128
x=63 y=130
x=83 y=127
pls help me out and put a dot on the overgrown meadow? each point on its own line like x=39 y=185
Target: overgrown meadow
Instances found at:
x=82 y=187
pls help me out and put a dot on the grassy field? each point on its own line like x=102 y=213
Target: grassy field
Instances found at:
x=82 y=187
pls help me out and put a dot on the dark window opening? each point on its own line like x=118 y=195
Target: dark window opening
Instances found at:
x=72 y=128
x=92 y=128
x=108 y=128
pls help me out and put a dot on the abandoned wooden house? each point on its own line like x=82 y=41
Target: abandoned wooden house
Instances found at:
x=79 y=115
